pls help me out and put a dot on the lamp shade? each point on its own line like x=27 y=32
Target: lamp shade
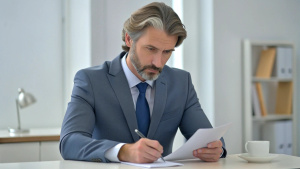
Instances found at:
x=25 y=99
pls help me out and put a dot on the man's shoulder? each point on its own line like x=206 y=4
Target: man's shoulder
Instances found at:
x=108 y=66
x=171 y=71
x=103 y=68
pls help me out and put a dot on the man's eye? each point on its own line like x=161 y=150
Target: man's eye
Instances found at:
x=151 y=49
x=167 y=51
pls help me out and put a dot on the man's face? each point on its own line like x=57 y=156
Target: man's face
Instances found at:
x=149 y=54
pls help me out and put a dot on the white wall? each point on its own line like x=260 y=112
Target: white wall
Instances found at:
x=198 y=52
x=235 y=20
x=31 y=57
x=77 y=41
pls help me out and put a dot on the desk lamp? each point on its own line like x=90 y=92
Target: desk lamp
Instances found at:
x=23 y=100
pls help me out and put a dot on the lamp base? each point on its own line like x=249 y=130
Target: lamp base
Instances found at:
x=11 y=130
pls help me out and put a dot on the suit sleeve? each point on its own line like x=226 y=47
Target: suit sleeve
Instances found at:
x=193 y=116
x=76 y=142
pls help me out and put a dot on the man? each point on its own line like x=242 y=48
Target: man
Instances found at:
x=108 y=102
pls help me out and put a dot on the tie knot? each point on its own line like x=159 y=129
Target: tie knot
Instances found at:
x=142 y=87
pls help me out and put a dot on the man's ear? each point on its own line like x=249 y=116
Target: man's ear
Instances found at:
x=128 y=40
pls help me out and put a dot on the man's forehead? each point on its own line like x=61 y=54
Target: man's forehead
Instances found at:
x=158 y=38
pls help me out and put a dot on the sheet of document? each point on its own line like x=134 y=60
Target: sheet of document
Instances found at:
x=156 y=164
x=200 y=139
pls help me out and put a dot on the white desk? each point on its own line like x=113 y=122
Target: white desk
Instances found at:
x=231 y=162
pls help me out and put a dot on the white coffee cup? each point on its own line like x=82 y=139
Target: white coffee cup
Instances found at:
x=257 y=148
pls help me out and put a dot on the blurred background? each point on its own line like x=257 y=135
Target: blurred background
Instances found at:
x=43 y=43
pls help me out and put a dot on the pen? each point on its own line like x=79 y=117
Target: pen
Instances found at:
x=142 y=136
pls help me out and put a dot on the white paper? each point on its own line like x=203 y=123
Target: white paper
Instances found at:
x=200 y=139
x=156 y=164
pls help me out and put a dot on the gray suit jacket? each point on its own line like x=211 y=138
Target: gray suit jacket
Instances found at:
x=101 y=112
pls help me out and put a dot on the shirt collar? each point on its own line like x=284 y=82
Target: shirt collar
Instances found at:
x=131 y=78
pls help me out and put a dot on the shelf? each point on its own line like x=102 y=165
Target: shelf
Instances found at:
x=271 y=43
x=272 y=118
x=272 y=79
x=268 y=92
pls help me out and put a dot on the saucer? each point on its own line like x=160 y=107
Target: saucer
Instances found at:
x=264 y=159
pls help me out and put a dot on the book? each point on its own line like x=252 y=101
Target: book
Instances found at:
x=266 y=63
x=280 y=64
x=255 y=102
x=283 y=66
x=289 y=62
x=275 y=133
x=279 y=133
x=284 y=98
x=289 y=137
x=261 y=99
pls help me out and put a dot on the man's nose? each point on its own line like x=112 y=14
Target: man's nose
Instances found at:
x=156 y=61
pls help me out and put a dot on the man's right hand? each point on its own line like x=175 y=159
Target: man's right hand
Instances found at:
x=143 y=151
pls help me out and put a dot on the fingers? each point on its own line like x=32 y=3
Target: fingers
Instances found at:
x=211 y=154
x=143 y=151
x=150 y=149
x=154 y=145
x=215 y=144
x=208 y=154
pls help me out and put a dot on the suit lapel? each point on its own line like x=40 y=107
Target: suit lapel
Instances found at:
x=119 y=84
x=159 y=105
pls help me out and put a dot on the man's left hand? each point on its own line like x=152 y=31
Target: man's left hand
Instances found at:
x=211 y=153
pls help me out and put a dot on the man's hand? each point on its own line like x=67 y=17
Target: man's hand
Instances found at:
x=143 y=151
x=211 y=153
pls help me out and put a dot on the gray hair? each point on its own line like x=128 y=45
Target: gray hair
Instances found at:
x=157 y=15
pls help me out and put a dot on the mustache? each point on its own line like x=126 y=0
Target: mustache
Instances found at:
x=151 y=67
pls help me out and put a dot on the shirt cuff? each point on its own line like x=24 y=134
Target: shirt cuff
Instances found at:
x=112 y=153
x=222 y=152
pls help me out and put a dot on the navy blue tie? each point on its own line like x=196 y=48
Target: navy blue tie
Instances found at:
x=142 y=109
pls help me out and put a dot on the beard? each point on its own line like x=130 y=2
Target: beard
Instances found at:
x=141 y=69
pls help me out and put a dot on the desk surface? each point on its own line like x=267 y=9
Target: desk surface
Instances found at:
x=46 y=134
x=231 y=162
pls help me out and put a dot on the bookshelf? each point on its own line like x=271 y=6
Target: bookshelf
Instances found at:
x=254 y=123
